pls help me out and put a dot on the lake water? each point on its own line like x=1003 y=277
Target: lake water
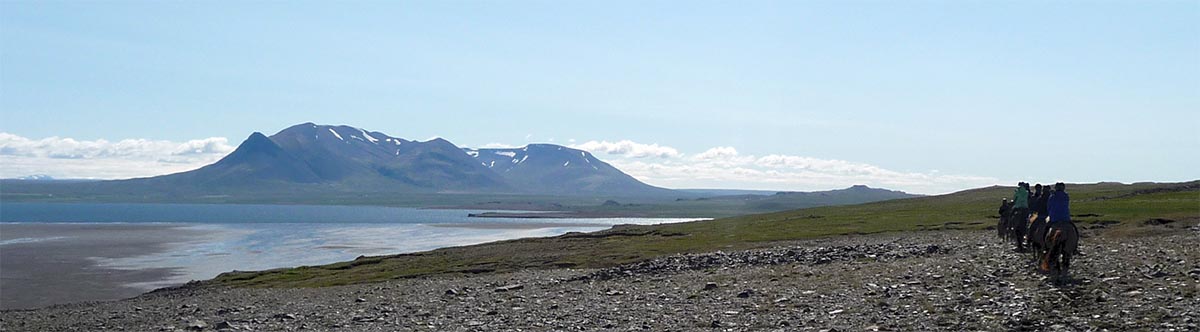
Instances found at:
x=198 y=241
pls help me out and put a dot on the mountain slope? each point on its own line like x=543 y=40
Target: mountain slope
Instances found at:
x=554 y=169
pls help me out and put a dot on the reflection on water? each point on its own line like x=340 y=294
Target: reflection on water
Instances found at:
x=203 y=240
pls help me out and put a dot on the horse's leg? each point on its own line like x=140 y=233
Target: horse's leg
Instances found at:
x=1044 y=264
x=1064 y=272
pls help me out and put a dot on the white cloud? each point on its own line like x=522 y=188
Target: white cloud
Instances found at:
x=495 y=145
x=720 y=152
x=725 y=167
x=102 y=159
x=629 y=149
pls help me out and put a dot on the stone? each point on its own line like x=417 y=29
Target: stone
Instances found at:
x=509 y=288
x=197 y=325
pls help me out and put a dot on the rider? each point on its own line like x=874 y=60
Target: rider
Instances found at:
x=1043 y=205
x=1005 y=213
x=1059 y=205
x=1020 y=213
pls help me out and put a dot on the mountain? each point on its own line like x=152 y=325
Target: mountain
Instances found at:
x=339 y=158
x=348 y=155
x=347 y=159
x=554 y=169
x=257 y=161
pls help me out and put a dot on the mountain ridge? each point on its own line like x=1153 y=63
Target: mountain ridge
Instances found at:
x=340 y=157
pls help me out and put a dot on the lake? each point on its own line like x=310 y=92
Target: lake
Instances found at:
x=67 y=252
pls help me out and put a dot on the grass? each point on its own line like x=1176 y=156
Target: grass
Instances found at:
x=1127 y=205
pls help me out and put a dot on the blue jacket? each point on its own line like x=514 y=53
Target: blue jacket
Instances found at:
x=1059 y=206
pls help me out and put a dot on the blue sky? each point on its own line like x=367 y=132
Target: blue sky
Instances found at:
x=953 y=92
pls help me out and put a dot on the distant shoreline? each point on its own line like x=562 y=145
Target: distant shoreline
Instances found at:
x=553 y=215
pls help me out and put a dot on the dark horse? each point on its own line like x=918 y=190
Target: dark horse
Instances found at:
x=1005 y=212
x=1017 y=223
x=1037 y=234
x=1062 y=239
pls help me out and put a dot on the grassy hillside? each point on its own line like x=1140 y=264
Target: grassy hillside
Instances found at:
x=1121 y=207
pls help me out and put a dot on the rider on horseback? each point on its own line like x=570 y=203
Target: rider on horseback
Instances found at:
x=1020 y=213
x=1059 y=206
x=1037 y=227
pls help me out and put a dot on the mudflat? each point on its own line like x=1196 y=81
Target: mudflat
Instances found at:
x=53 y=263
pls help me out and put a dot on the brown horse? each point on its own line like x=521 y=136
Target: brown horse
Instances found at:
x=1062 y=239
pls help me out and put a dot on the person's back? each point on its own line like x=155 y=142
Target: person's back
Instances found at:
x=1035 y=199
x=1020 y=214
x=1021 y=197
x=1043 y=204
x=1059 y=205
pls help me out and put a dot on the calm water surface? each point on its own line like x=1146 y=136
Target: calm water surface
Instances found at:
x=257 y=237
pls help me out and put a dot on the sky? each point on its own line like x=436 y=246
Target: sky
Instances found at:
x=921 y=96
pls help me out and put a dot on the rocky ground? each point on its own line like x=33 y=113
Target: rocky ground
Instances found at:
x=943 y=280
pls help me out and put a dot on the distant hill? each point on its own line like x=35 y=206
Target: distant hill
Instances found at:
x=853 y=195
x=727 y=192
x=749 y=202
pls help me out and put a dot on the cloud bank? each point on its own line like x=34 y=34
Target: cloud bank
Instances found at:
x=102 y=159
x=725 y=167
x=717 y=167
x=628 y=148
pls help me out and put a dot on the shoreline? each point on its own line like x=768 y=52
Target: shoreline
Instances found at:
x=54 y=263
x=58 y=263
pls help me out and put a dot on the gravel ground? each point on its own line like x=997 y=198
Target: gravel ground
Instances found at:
x=944 y=280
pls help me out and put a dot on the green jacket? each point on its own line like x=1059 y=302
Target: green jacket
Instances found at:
x=1021 y=198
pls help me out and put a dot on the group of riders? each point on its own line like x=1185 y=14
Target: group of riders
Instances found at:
x=1039 y=222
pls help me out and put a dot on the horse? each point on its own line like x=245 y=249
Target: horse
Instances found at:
x=1005 y=211
x=1017 y=226
x=1062 y=240
x=1037 y=234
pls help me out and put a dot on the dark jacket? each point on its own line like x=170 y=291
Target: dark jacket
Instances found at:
x=1043 y=203
x=1059 y=206
x=1035 y=201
